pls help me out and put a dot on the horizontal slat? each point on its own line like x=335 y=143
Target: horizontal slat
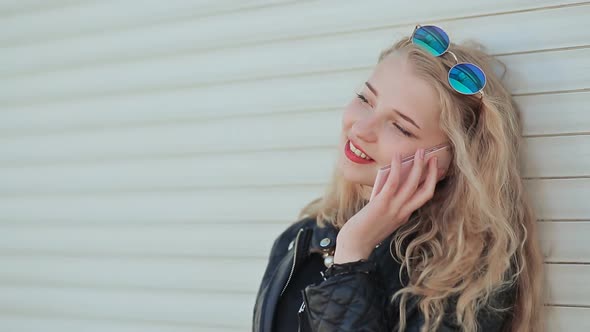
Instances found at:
x=280 y=204
x=565 y=241
x=543 y=157
x=171 y=273
x=560 y=198
x=567 y=319
x=557 y=156
x=247 y=99
x=20 y=7
x=210 y=240
x=561 y=241
x=304 y=57
x=552 y=198
x=566 y=284
x=237 y=135
x=96 y=17
x=540 y=116
x=178 y=107
x=559 y=319
x=225 y=310
x=161 y=307
x=196 y=35
x=35 y=322
x=527 y=72
x=290 y=167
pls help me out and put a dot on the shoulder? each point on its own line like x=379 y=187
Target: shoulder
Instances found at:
x=280 y=246
x=290 y=232
x=292 y=229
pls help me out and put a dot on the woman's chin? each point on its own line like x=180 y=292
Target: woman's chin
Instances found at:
x=353 y=175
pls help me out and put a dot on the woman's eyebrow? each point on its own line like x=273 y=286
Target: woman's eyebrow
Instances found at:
x=407 y=118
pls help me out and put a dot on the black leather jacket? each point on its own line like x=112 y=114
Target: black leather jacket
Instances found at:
x=353 y=296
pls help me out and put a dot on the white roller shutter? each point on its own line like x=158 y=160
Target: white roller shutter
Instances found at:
x=151 y=151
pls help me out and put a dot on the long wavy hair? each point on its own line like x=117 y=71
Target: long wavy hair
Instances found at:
x=478 y=234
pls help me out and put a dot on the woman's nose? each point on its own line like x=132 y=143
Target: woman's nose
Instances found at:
x=366 y=128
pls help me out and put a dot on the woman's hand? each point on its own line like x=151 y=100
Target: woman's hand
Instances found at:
x=389 y=209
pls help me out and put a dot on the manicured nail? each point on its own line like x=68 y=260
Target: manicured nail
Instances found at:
x=421 y=153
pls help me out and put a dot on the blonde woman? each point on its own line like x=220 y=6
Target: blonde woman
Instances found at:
x=447 y=241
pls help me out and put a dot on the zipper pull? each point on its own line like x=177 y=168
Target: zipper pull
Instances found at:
x=299 y=317
x=302 y=307
x=303 y=316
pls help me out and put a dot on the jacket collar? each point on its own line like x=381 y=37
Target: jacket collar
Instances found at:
x=323 y=238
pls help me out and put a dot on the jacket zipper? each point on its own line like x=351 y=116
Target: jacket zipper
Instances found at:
x=303 y=315
x=294 y=261
x=299 y=316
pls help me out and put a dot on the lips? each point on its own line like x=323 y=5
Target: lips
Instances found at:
x=353 y=157
x=358 y=148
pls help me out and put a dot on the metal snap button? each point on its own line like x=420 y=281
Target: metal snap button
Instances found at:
x=325 y=242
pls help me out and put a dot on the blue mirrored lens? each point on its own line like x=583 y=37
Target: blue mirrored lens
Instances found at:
x=431 y=38
x=467 y=78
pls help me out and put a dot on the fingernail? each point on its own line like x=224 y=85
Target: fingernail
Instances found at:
x=436 y=161
x=421 y=153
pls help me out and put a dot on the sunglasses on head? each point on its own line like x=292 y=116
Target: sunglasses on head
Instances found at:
x=464 y=77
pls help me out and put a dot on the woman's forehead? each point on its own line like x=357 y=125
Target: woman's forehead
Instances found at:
x=399 y=87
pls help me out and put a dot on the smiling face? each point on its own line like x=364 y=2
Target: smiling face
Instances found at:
x=396 y=111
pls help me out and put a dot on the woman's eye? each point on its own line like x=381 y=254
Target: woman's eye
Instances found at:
x=402 y=130
x=361 y=97
x=405 y=132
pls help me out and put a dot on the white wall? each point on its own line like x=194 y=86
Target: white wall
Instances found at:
x=150 y=151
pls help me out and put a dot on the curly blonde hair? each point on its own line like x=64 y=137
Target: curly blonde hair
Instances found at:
x=478 y=234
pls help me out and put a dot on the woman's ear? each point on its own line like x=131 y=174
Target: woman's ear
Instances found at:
x=440 y=174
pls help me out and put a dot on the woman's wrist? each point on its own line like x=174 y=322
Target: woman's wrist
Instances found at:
x=347 y=251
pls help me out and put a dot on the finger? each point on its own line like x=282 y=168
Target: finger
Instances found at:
x=426 y=191
x=392 y=182
x=411 y=183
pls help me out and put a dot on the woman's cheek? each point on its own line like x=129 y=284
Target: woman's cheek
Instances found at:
x=347 y=119
x=390 y=144
x=350 y=116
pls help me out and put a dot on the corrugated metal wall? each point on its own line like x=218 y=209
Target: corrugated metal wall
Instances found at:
x=151 y=151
